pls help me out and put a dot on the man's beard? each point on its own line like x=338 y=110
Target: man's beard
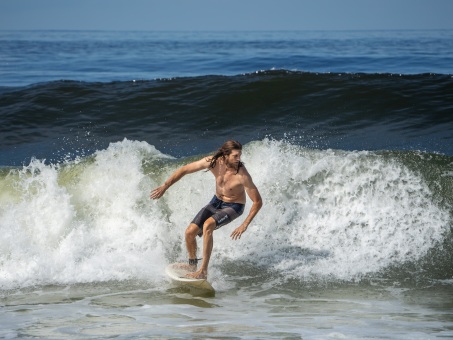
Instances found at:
x=231 y=164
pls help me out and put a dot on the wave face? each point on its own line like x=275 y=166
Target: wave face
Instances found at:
x=328 y=215
x=189 y=116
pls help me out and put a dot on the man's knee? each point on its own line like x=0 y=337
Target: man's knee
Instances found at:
x=209 y=226
x=192 y=231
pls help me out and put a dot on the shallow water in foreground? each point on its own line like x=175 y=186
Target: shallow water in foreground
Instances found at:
x=131 y=310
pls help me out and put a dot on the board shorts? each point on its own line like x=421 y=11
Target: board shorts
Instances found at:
x=222 y=212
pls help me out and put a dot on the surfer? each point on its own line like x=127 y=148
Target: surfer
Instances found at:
x=233 y=182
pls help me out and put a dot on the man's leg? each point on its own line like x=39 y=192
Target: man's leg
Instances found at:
x=191 y=242
x=208 y=242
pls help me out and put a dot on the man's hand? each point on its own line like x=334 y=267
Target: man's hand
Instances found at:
x=158 y=192
x=236 y=234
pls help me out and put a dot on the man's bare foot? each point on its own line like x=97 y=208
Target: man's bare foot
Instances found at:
x=199 y=274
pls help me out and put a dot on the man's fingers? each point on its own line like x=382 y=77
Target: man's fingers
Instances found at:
x=157 y=193
x=236 y=235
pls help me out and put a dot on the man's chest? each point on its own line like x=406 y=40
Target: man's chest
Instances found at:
x=228 y=180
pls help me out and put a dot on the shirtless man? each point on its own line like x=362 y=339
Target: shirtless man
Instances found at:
x=232 y=183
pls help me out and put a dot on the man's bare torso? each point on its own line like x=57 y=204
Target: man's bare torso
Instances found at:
x=229 y=183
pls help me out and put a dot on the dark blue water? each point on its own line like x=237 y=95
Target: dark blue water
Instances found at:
x=69 y=92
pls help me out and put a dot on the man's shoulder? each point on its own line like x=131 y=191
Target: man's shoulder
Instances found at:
x=246 y=178
x=243 y=170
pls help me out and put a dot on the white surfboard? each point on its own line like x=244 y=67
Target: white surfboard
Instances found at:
x=177 y=272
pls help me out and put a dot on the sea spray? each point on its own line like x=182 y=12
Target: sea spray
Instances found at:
x=95 y=226
x=335 y=214
x=327 y=215
x=33 y=226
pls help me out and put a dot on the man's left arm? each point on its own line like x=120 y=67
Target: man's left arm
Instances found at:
x=254 y=194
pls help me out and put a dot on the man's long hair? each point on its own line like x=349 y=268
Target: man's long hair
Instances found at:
x=226 y=150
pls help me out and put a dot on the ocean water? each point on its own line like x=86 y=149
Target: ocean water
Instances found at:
x=348 y=136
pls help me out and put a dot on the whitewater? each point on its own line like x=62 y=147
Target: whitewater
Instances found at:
x=328 y=215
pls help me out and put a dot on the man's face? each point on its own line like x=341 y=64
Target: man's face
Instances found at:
x=233 y=158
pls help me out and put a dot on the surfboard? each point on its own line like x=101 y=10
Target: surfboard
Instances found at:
x=177 y=272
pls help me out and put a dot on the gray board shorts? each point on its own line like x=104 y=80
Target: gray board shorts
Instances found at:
x=222 y=212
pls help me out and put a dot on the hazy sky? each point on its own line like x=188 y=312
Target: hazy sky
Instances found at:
x=226 y=15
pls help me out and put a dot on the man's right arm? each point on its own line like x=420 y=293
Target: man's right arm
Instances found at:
x=178 y=174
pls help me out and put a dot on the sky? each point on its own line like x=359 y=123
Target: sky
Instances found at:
x=226 y=15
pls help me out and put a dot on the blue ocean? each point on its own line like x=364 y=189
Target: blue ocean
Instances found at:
x=348 y=136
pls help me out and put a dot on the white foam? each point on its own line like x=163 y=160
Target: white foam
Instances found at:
x=335 y=214
x=326 y=214
x=98 y=226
